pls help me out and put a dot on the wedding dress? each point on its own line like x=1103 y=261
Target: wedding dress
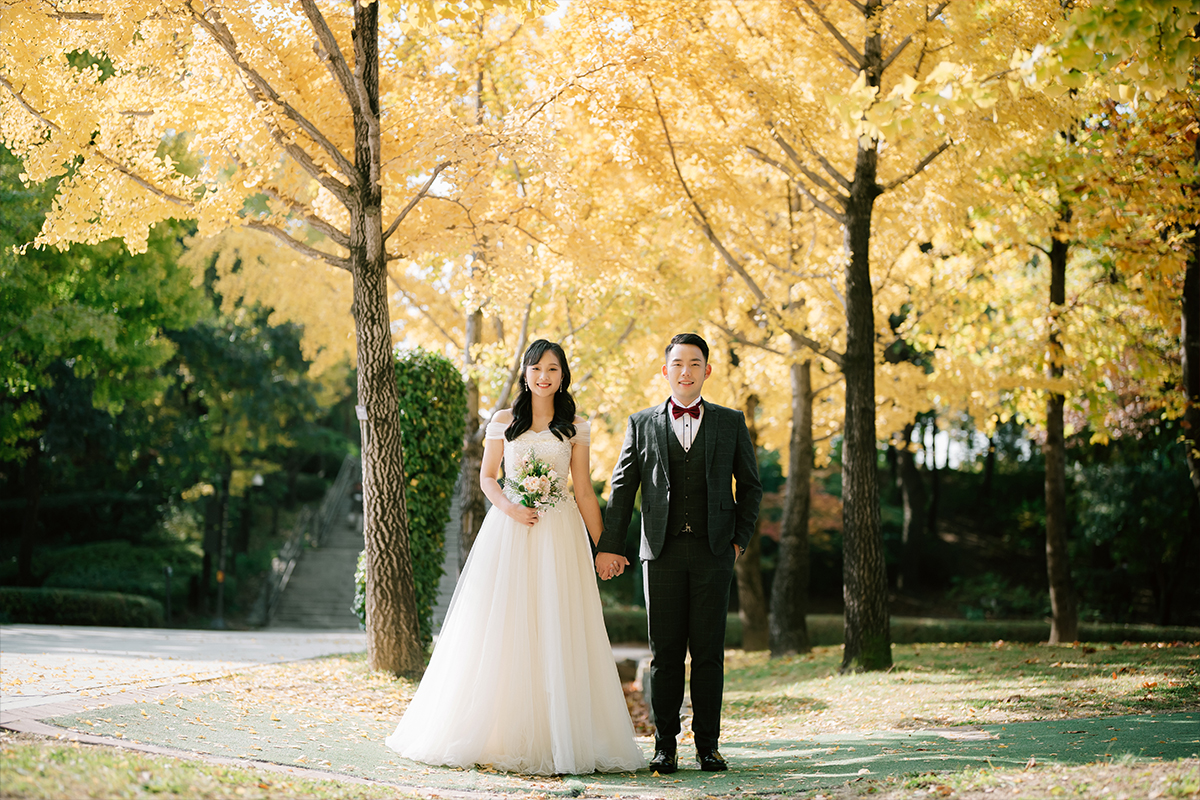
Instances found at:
x=522 y=677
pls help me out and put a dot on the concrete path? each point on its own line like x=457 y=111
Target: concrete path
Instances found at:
x=144 y=689
x=44 y=664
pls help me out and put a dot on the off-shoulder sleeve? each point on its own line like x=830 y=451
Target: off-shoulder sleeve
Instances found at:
x=583 y=433
x=495 y=430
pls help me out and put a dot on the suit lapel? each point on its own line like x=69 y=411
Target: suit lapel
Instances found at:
x=710 y=435
x=661 y=430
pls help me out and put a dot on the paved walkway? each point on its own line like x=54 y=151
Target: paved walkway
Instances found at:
x=54 y=664
x=143 y=689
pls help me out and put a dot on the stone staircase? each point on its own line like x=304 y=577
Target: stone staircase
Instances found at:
x=321 y=588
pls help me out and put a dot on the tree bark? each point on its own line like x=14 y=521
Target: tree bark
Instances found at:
x=789 y=591
x=868 y=640
x=471 y=499
x=989 y=469
x=393 y=642
x=1064 y=624
x=935 y=479
x=912 y=494
x=752 y=603
x=32 y=480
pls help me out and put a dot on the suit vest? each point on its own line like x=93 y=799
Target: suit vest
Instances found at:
x=687 y=511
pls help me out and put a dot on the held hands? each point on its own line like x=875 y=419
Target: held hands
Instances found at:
x=610 y=565
x=522 y=514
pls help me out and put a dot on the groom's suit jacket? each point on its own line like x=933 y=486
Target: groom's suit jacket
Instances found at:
x=729 y=457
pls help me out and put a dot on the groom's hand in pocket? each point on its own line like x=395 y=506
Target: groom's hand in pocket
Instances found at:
x=610 y=565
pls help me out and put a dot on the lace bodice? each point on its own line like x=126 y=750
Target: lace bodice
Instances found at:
x=546 y=446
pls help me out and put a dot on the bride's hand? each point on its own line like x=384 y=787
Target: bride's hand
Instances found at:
x=526 y=516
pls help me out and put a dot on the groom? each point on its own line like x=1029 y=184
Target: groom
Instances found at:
x=685 y=455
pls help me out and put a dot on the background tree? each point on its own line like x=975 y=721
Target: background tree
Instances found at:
x=98 y=312
x=825 y=138
x=286 y=109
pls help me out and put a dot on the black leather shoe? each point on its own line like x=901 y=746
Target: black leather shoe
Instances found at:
x=664 y=762
x=711 y=761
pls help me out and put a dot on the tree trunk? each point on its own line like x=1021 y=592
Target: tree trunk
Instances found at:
x=1064 y=624
x=864 y=574
x=393 y=642
x=752 y=603
x=471 y=498
x=989 y=469
x=912 y=494
x=935 y=479
x=210 y=545
x=32 y=480
x=789 y=591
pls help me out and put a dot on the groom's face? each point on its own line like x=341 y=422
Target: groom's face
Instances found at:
x=685 y=371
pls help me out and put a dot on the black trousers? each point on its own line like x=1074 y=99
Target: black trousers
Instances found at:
x=687 y=598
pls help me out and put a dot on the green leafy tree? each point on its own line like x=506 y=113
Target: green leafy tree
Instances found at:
x=94 y=310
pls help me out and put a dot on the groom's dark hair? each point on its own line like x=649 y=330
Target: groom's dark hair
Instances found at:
x=687 y=338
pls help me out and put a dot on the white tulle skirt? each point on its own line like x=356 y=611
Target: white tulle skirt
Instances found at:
x=522 y=677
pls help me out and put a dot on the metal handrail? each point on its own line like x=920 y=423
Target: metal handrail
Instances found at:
x=311 y=529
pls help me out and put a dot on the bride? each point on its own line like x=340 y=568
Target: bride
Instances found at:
x=522 y=677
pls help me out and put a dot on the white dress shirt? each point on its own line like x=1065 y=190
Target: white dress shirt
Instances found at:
x=685 y=426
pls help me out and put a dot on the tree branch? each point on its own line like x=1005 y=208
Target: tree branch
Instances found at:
x=919 y=167
x=224 y=38
x=412 y=301
x=829 y=385
x=413 y=202
x=849 y=48
x=830 y=170
x=828 y=209
x=737 y=338
x=518 y=353
x=568 y=85
x=331 y=54
x=620 y=341
x=701 y=221
x=328 y=228
x=97 y=152
x=907 y=40
x=297 y=245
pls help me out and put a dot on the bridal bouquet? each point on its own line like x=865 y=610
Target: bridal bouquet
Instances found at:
x=535 y=482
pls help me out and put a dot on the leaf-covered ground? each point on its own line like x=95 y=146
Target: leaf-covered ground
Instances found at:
x=946 y=720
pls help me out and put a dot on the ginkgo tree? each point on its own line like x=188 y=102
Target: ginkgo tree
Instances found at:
x=1147 y=56
x=321 y=123
x=869 y=111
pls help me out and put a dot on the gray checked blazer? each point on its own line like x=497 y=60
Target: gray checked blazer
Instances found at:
x=644 y=464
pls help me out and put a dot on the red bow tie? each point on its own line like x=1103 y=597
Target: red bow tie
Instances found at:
x=678 y=411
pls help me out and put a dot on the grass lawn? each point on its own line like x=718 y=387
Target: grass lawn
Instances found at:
x=34 y=767
x=797 y=699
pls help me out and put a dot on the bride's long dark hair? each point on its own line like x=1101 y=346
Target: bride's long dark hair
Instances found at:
x=563 y=423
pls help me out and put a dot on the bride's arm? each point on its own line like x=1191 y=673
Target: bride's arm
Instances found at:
x=489 y=482
x=585 y=495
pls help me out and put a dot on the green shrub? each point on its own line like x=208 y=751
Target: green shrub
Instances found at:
x=629 y=625
x=992 y=596
x=77 y=607
x=120 y=566
x=433 y=410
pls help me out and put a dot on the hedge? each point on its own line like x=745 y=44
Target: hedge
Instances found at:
x=629 y=625
x=433 y=414
x=78 y=607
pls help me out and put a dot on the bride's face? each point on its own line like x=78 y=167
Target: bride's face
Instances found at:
x=544 y=377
